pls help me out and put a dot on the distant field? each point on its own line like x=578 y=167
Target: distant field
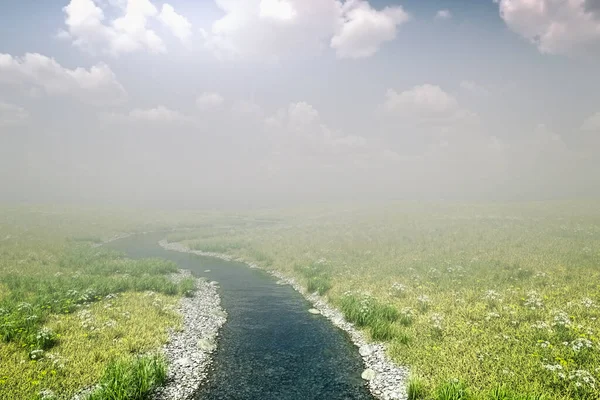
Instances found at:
x=482 y=301
x=71 y=315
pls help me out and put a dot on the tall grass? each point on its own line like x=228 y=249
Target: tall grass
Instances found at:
x=131 y=379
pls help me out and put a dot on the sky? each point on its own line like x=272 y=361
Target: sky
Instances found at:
x=231 y=103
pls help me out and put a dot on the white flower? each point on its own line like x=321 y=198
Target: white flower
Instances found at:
x=587 y=302
x=534 y=300
x=437 y=321
x=492 y=295
x=561 y=319
x=581 y=343
x=491 y=315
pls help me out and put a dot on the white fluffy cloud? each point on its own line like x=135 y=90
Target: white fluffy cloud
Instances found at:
x=271 y=29
x=443 y=14
x=554 y=26
x=12 y=115
x=363 y=29
x=592 y=123
x=159 y=114
x=426 y=100
x=88 y=28
x=97 y=85
x=178 y=24
x=428 y=112
x=209 y=101
x=474 y=88
x=299 y=128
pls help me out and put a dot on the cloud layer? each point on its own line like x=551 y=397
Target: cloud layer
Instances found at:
x=87 y=26
x=554 y=26
x=36 y=72
x=270 y=29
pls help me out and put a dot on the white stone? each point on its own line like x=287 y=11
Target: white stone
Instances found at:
x=368 y=374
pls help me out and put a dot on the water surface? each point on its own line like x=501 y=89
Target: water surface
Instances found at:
x=270 y=347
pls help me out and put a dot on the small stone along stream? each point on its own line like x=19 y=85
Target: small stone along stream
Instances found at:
x=271 y=347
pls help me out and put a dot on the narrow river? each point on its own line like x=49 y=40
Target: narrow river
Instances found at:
x=270 y=347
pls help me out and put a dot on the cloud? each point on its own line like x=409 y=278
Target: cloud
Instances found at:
x=425 y=99
x=554 y=26
x=12 y=115
x=474 y=88
x=178 y=24
x=426 y=117
x=88 y=28
x=268 y=30
x=592 y=123
x=159 y=114
x=277 y=9
x=97 y=85
x=299 y=128
x=209 y=100
x=443 y=14
x=363 y=29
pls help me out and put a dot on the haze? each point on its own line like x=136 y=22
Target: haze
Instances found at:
x=263 y=102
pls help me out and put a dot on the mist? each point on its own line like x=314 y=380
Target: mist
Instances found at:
x=260 y=104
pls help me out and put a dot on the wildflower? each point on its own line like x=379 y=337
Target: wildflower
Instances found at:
x=542 y=325
x=47 y=394
x=534 y=300
x=491 y=315
x=583 y=378
x=111 y=323
x=561 y=319
x=492 y=295
x=545 y=344
x=587 y=302
x=552 y=367
x=437 y=321
x=24 y=306
x=36 y=354
x=398 y=289
x=423 y=301
x=580 y=344
x=45 y=334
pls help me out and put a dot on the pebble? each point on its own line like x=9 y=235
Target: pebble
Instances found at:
x=188 y=352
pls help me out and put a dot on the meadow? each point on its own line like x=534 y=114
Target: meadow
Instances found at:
x=480 y=301
x=73 y=315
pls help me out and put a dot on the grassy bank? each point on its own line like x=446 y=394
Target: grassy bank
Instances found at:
x=72 y=316
x=480 y=301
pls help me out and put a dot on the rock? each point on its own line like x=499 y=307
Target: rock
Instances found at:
x=184 y=362
x=368 y=374
x=208 y=270
x=314 y=311
x=365 y=350
x=207 y=345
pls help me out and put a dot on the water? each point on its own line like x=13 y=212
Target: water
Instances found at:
x=270 y=347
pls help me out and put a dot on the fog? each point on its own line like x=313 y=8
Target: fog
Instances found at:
x=256 y=103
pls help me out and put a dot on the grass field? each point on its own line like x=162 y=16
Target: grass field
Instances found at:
x=72 y=315
x=494 y=301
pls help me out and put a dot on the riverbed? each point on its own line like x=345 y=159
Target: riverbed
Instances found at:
x=271 y=347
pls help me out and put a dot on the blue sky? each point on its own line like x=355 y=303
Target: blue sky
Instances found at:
x=434 y=98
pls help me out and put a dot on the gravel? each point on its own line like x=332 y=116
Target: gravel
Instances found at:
x=188 y=352
x=386 y=380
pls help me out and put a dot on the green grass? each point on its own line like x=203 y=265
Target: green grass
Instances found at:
x=415 y=388
x=131 y=379
x=68 y=311
x=486 y=294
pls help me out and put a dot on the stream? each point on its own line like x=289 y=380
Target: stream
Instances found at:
x=271 y=347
